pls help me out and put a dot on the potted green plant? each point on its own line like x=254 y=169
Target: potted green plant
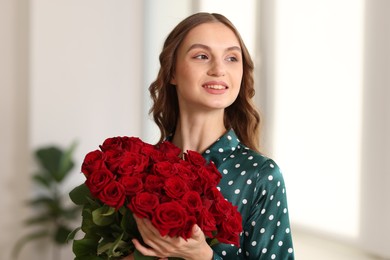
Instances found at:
x=53 y=217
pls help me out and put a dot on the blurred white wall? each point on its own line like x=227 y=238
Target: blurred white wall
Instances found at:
x=159 y=19
x=317 y=106
x=14 y=148
x=329 y=108
x=374 y=232
x=72 y=72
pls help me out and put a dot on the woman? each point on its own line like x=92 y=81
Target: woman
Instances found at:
x=203 y=102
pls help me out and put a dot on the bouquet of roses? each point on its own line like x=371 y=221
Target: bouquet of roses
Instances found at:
x=128 y=176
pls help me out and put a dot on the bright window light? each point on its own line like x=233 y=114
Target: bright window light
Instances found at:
x=318 y=92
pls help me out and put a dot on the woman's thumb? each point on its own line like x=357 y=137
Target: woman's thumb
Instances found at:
x=196 y=232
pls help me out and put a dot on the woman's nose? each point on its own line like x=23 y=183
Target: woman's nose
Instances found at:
x=216 y=69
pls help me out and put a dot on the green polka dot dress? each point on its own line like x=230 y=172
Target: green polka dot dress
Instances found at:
x=255 y=184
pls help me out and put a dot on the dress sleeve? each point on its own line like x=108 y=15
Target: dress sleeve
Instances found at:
x=267 y=233
x=216 y=257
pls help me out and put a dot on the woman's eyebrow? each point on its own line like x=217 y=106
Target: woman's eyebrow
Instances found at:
x=202 y=46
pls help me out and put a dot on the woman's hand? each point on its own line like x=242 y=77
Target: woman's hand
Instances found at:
x=195 y=247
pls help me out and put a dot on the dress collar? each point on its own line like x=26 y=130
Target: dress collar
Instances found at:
x=222 y=148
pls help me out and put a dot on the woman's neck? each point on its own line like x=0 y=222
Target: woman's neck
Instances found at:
x=198 y=132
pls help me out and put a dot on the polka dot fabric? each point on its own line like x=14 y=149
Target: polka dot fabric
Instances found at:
x=255 y=184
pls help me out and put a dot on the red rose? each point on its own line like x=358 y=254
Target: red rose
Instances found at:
x=186 y=171
x=132 y=163
x=170 y=151
x=154 y=184
x=230 y=228
x=192 y=202
x=175 y=187
x=195 y=158
x=124 y=143
x=132 y=184
x=98 y=180
x=187 y=229
x=143 y=204
x=164 y=169
x=170 y=218
x=112 y=143
x=215 y=174
x=206 y=178
x=133 y=144
x=220 y=208
x=113 y=158
x=92 y=162
x=152 y=152
x=113 y=195
x=207 y=223
x=214 y=194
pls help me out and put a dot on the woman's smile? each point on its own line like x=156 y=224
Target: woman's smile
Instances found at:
x=214 y=87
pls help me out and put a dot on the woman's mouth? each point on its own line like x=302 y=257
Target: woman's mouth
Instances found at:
x=215 y=86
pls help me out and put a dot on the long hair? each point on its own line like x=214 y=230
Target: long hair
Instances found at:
x=241 y=115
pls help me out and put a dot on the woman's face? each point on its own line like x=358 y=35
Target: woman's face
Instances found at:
x=209 y=68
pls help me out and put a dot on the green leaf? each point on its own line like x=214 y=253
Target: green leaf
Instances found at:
x=85 y=247
x=129 y=225
x=87 y=224
x=42 y=179
x=70 y=213
x=38 y=220
x=44 y=200
x=89 y=257
x=61 y=234
x=213 y=242
x=80 y=195
x=118 y=243
x=72 y=234
x=66 y=163
x=55 y=161
x=24 y=240
x=49 y=159
x=103 y=216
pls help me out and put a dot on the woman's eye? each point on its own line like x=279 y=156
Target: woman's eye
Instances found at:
x=232 y=58
x=201 y=57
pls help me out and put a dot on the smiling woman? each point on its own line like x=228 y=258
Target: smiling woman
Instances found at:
x=202 y=101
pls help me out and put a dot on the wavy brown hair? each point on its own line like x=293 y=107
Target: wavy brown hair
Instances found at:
x=241 y=116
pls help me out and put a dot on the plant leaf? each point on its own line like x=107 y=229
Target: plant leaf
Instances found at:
x=38 y=220
x=80 y=194
x=66 y=163
x=117 y=243
x=85 y=247
x=72 y=234
x=103 y=216
x=129 y=225
x=45 y=200
x=42 y=179
x=49 y=158
x=61 y=234
x=24 y=240
x=71 y=213
x=89 y=257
